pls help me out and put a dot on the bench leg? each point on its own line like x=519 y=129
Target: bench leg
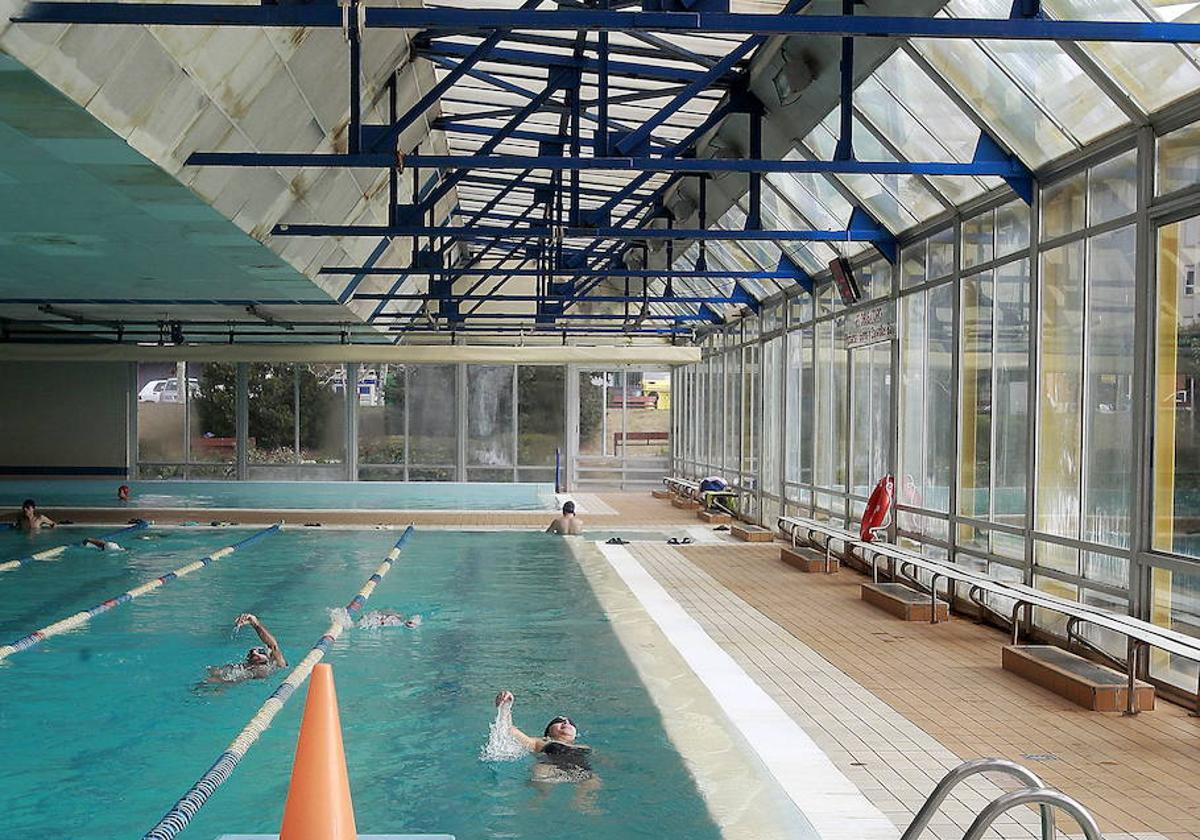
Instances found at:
x=1131 y=657
x=1195 y=712
x=933 y=599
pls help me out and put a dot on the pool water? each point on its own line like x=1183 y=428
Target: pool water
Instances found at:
x=103 y=729
x=340 y=495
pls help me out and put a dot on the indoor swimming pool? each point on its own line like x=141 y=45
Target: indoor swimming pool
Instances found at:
x=104 y=728
x=282 y=495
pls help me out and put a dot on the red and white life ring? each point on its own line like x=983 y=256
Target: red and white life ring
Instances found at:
x=877 y=508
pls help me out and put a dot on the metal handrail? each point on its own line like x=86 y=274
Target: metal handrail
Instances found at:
x=971 y=768
x=1044 y=797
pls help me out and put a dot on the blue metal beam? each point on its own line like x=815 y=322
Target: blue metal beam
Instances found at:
x=434 y=95
x=455 y=125
x=476 y=73
x=781 y=273
x=634 y=140
x=238 y=302
x=531 y=329
x=1005 y=168
x=557 y=80
x=474 y=178
x=530 y=58
x=501 y=298
x=525 y=316
x=867 y=233
x=376 y=253
x=596 y=20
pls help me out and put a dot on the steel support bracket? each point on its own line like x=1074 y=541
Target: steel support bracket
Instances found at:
x=862 y=223
x=988 y=150
x=788 y=265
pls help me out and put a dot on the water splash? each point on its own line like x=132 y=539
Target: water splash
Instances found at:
x=338 y=615
x=501 y=744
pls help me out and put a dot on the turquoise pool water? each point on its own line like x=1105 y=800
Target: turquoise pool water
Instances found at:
x=103 y=729
x=341 y=495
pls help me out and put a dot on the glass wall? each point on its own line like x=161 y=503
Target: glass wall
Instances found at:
x=1024 y=386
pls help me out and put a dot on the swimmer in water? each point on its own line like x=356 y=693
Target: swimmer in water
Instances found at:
x=30 y=520
x=557 y=749
x=102 y=544
x=389 y=618
x=260 y=662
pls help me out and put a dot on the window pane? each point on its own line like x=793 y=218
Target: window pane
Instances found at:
x=1010 y=400
x=939 y=422
x=1179 y=159
x=490 y=415
x=941 y=254
x=322 y=413
x=1112 y=188
x=160 y=416
x=977 y=239
x=772 y=368
x=1175 y=604
x=212 y=407
x=1177 y=372
x=432 y=423
x=541 y=414
x=1154 y=74
x=1012 y=228
x=975 y=441
x=381 y=420
x=912 y=265
x=271 y=392
x=1108 y=429
x=1063 y=206
x=1060 y=398
x=911 y=457
x=1022 y=125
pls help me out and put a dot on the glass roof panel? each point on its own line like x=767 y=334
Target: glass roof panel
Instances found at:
x=1015 y=118
x=875 y=196
x=1153 y=74
x=910 y=136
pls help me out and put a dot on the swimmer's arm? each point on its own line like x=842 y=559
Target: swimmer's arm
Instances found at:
x=531 y=744
x=267 y=639
x=46 y=522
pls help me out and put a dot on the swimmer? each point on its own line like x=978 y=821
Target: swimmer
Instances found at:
x=389 y=618
x=568 y=523
x=30 y=520
x=261 y=660
x=557 y=746
x=123 y=493
x=102 y=544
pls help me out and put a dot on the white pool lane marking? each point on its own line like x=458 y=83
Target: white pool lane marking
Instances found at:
x=833 y=805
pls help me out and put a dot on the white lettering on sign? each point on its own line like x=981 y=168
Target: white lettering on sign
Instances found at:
x=870 y=326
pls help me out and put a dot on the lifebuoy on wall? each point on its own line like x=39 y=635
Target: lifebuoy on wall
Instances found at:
x=877 y=508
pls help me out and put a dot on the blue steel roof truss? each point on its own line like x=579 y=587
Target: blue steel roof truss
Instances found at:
x=650 y=155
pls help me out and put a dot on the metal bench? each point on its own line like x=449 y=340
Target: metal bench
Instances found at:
x=1139 y=634
x=682 y=487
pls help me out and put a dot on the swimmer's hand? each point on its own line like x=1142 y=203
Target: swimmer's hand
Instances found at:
x=244 y=619
x=504 y=697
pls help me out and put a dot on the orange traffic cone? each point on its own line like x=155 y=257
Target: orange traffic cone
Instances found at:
x=318 y=802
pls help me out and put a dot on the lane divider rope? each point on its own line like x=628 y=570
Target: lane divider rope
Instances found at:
x=46 y=554
x=182 y=812
x=80 y=618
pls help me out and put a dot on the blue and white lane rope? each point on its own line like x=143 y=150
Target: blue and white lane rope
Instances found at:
x=177 y=819
x=80 y=618
x=47 y=553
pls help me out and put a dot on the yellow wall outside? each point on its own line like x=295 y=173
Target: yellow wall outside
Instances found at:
x=662 y=387
x=1166 y=351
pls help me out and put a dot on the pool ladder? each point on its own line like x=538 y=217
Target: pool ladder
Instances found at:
x=1034 y=792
